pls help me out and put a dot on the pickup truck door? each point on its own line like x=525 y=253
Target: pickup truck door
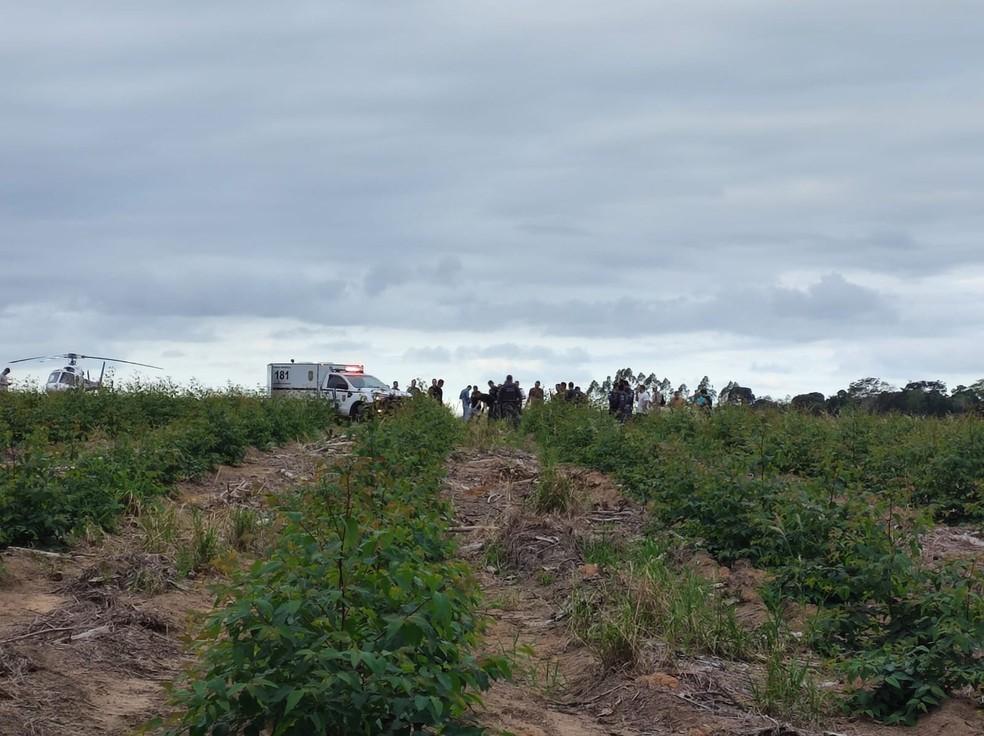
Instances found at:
x=339 y=391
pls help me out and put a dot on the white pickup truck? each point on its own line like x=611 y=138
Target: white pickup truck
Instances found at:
x=346 y=385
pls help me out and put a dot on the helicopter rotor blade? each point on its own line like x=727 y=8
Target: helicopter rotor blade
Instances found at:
x=118 y=360
x=39 y=357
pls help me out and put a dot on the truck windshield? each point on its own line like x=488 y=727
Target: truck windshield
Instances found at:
x=364 y=381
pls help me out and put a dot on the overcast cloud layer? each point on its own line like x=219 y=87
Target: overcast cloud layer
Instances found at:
x=786 y=194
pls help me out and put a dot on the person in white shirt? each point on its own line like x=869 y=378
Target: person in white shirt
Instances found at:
x=644 y=400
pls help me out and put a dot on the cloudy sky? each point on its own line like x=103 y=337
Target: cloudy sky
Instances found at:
x=790 y=195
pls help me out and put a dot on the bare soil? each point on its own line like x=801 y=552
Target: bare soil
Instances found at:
x=83 y=651
x=954 y=543
x=527 y=565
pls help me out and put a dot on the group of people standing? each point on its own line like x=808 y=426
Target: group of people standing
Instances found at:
x=507 y=399
x=623 y=402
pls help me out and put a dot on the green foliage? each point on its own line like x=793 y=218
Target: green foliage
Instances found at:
x=243 y=526
x=359 y=622
x=833 y=506
x=789 y=689
x=554 y=491
x=650 y=599
x=79 y=459
x=203 y=546
x=159 y=527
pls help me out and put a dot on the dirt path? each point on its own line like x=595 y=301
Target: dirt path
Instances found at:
x=528 y=564
x=90 y=638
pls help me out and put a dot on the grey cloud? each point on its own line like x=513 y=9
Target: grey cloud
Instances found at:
x=381 y=277
x=428 y=355
x=572 y=169
x=572 y=356
x=770 y=368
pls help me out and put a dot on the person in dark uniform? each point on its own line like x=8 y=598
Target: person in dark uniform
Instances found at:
x=510 y=401
x=626 y=400
x=492 y=401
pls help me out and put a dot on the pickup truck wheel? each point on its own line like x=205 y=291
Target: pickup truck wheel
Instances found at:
x=358 y=412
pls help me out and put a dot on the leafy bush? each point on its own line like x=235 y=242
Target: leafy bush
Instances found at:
x=834 y=507
x=62 y=479
x=358 y=622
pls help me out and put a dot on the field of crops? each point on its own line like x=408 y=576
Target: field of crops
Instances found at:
x=77 y=459
x=356 y=612
x=833 y=508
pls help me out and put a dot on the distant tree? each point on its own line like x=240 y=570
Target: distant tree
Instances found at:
x=732 y=393
x=705 y=386
x=865 y=388
x=968 y=398
x=598 y=392
x=812 y=402
x=926 y=386
x=765 y=402
x=624 y=374
x=684 y=391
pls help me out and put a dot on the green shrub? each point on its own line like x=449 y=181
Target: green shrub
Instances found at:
x=65 y=478
x=833 y=507
x=358 y=622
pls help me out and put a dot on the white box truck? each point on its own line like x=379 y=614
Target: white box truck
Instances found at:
x=346 y=385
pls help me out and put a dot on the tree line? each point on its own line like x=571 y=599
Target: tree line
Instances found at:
x=923 y=398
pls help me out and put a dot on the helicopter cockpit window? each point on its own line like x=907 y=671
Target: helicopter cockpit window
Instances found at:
x=67 y=378
x=53 y=378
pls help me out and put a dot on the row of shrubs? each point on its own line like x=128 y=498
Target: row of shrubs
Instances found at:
x=50 y=490
x=359 y=621
x=832 y=507
x=76 y=416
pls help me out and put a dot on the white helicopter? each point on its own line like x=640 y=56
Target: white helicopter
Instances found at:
x=72 y=376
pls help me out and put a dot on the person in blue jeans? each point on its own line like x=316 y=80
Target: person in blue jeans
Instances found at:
x=465 y=397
